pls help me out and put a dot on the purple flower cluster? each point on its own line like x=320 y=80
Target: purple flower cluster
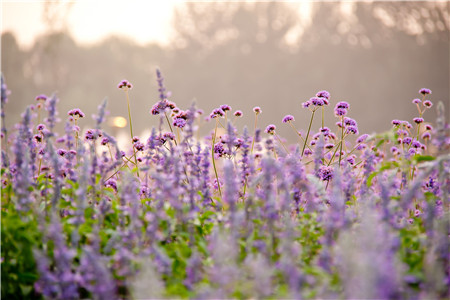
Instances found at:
x=231 y=214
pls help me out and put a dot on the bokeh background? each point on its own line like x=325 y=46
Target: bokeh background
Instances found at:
x=276 y=55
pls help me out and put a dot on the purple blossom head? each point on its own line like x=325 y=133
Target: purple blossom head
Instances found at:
x=425 y=91
x=396 y=122
x=61 y=152
x=307 y=152
x=361 y=146
x=238 y=113
x=316 y=101
x=325 y=173
x=329 y=146
x=428 y=127
x=270 y=129
x=407 y=140
x=217 y=112
x=288 y=118
x=40 y=127
x=418 y=120
x=394 y=150
x=306 y=104
x=342 y=104
x=362 y=138
x=339 y=112
x=352 y=130
x=124 y=84
x=257 y=110
x=323 y=94
x=179 y=122
x=76 y=113
x=111 y=183
x=38 y=138
x=416 y=101
x=169 y=136
x=426 y=135
x=407 y=124
x=427 y=103
x=416 y=144
x=138 y=146
x=350 y=122
x=89 y=135
x=41 y=97
x=225 y=107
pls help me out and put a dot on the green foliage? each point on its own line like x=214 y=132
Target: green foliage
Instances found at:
x=20 y=235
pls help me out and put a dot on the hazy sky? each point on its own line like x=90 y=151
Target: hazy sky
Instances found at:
x=91 y=20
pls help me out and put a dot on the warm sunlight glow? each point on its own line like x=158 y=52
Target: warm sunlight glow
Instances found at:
x=92 y=21
x=119 y=122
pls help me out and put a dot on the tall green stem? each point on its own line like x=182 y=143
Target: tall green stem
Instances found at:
x=254 y=134
x=342 y=141
x=309 y=129
x=131 y=132
x=170 y=126
x=213 y=159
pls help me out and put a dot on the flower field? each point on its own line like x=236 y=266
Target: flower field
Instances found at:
x=238 y=213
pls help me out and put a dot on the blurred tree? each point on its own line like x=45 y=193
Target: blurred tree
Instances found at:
x=273 y=54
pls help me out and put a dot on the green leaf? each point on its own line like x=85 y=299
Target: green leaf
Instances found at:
x=419 y=158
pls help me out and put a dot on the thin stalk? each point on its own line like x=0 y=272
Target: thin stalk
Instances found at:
x=285 y=149
x=170 y=126
x=254 y=133
x=299 y=135
x=213 y=159
x=323 y=109
x=131 y=132
x=309 y=129
x=342 y=141
x=332 y=157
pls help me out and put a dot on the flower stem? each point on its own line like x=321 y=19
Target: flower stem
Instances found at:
x=309 y=129
x=342 y=141
x=213 y=159
x=170 y=126
x=131 y=132
x=254 y=134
